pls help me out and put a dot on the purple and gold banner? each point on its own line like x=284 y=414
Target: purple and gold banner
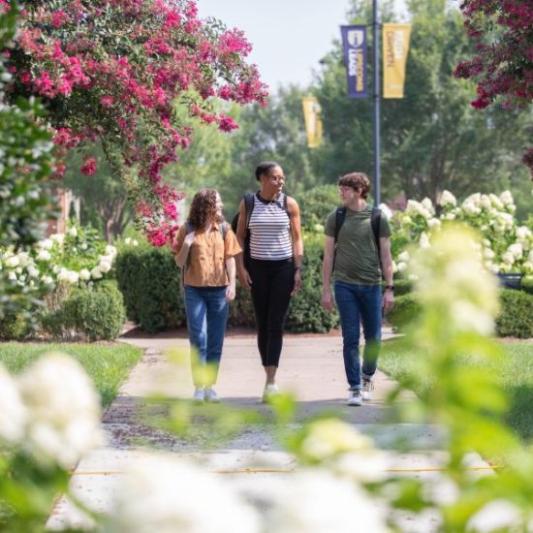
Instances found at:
x=354 y=46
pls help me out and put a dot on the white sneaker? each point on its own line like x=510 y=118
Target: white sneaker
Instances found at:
x=355 y=398
x=211 y=395
x=368 y=388
x=271 y=389
x=199 y=394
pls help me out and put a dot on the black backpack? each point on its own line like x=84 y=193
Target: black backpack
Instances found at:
x=249 y=203
x=375 y=221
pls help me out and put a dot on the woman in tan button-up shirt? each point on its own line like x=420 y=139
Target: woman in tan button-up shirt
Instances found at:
x=205 y=249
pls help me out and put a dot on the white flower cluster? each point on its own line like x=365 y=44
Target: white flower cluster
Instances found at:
x=128 y=241
x=42 y=266
x=51 y=411
x=506 y=247
x=317 y=501
x=452 y=280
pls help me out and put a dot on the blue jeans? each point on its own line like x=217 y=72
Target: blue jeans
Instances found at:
x=207 y=314
x=359 y=304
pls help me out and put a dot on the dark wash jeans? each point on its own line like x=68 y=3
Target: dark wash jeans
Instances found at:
x=359 y=304
x=207 y=314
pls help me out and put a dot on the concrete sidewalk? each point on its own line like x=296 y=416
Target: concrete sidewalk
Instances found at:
x=311 y=368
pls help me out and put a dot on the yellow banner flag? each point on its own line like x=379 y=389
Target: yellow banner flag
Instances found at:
x=313 y=122
x=395 y=48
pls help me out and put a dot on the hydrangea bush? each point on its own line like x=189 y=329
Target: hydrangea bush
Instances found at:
x=505 y=246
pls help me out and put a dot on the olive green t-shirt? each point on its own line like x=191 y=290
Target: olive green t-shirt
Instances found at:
x=356 y=259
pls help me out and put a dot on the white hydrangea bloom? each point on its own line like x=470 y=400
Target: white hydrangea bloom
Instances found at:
x=58 y=237
x=516 y=250
x=68 y=276
x=47 y=280
x=135 y=242
x=13 y=413
x=33 y=272
x=149 y=499
x=507 y=198
x=105 y=264
x=497 y=515
x=495 y=201
x=424 y=240
x=96 y=273
x=385 y=209
x=44 y=255
x=127 y=241
x=12 y=261
x=485 y=202
x=402 y=267
x=523 y=233
x=434 y=223
x=73 y=232
x=447 y=198
x=63 y=409
x=85 y=274
x=428 y=204
x=110 y=251
x=45 y=244
x=404 y=256
x=451 y=276
x=319 y=502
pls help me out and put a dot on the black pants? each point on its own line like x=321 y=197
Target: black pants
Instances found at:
x=272 y=284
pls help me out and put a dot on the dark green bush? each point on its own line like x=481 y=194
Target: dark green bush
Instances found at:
x=150 y=282
x=402 y=286
x=406 y=309
x=306 y=314
x=94 y=313
x=316 y=204
x=527 y=284
x=14 y=326
x=516 y=314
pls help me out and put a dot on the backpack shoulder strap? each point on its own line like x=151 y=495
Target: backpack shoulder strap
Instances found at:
x=249 y=202
x=340 y=216
x=375 y=221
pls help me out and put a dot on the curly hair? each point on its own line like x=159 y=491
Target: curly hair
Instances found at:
x=203 y=209
x=357 y=181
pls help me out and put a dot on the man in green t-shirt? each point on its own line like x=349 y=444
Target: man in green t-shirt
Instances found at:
x=357 y=253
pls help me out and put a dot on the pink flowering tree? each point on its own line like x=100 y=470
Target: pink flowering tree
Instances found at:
x=131 y=76
x=502 y=31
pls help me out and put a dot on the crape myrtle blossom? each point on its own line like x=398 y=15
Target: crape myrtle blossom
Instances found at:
x=118 y=72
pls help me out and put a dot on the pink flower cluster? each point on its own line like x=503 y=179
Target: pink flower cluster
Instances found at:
x=123 y=89
x=503 y=65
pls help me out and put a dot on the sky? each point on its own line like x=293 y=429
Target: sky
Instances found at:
x=289 y=36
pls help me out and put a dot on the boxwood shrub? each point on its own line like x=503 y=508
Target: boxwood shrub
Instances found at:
x=91 y=313
x=150 y=282
x=516 y=315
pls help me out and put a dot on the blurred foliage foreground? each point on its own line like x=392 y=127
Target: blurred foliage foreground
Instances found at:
x=49 y=418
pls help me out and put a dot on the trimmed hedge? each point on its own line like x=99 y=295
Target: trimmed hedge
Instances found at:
x=150 y=282
x=516 y=317
x=527 y=284
x=94 y=313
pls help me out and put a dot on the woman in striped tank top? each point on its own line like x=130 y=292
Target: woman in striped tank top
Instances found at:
x=273 y=269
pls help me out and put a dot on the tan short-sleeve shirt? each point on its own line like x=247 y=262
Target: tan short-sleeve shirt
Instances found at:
x=206 y=264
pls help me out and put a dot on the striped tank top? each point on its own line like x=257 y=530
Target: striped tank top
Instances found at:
x=269 y=225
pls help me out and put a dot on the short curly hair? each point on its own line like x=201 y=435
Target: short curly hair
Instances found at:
x=357 y=181
x=203 y=209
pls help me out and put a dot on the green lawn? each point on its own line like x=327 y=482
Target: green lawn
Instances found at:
x=516 y=376
x=107 y=365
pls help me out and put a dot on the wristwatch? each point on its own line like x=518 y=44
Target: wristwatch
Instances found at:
x=389 y=288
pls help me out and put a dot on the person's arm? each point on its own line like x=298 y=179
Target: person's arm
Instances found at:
x=244 y=276
x=183 y=247
x=297 y=242
x=231 y=270
x=327 y=268
x=386 y=265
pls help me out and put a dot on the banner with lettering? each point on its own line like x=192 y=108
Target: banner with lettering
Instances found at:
x=354 y=46
x=395 y=49
x=313 y=122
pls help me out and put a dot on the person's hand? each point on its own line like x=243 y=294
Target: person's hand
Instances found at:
x=189 y=238
x=388 y=300
x=230 y=292
x=327 y=299
x=297 y=281
x=245 y=279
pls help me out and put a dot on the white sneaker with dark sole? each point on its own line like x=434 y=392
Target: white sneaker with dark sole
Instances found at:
x=368 y=389
x=211 y=395
x=199 y=395
x=354 y=398
x=270 y=390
